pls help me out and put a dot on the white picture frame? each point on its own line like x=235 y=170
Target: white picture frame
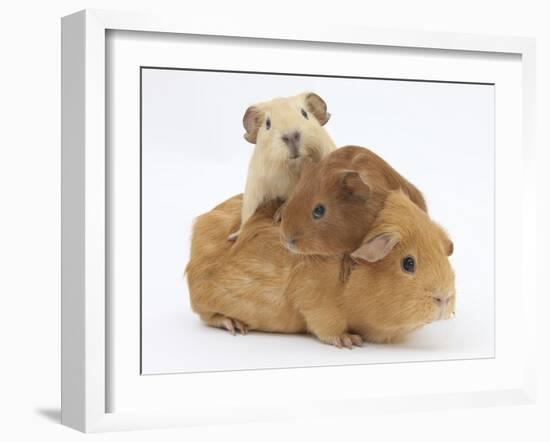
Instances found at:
x=86 y=354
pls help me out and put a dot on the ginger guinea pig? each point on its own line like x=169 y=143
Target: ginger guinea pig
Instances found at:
x=285 y=131
x=335 y=201
x=402 y=280
x=223 y=279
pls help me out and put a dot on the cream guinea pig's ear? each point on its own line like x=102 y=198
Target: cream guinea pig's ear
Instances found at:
x=317 y=106
x=252 y=121
x=377 y=248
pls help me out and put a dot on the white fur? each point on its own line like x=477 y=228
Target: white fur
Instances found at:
x=272 y=173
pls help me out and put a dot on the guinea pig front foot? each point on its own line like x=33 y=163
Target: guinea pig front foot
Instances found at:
x=346 y=340
x=277 y=216
x=234 y=236
x=220 y=321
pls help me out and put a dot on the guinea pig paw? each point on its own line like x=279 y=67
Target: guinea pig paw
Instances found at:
x=234 y=326
x=346 y=340
x=277 y=215
x=233 y=236
x=356 y=340
x=241 y=327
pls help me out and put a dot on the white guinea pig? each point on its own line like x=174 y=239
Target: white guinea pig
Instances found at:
x=284 y=130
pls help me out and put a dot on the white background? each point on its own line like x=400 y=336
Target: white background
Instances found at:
x=438 y=135
x=29 y=241
x=131 y=392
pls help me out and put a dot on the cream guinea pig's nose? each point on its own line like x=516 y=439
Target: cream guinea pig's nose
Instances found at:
x=292 y=140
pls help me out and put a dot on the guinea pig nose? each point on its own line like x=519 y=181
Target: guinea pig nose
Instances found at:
x=292 y=139
x=438 y=300
x=291 y=244
x=288 y=241
x=441 y=299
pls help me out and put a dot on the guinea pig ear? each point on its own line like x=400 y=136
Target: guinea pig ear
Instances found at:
x=446 y=243
x=377 y=248
x=252 y=120
x=449 y=247
x=317 y=106
x=354 y=185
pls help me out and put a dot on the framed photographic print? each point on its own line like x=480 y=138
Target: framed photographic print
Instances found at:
x=292 y=223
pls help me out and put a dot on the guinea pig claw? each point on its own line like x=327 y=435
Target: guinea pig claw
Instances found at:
x=357 y=340
x=277 y=216
x=229 y=326
x=233 y=325
x=243 y=329
x=345 y=341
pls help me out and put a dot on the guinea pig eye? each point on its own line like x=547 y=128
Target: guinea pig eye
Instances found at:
x=268 y=124
x=408 y=264
x=318 y=212
x=304 y=113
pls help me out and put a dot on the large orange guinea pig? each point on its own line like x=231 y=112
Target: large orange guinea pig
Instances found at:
x=335 y=201
x=402 y=280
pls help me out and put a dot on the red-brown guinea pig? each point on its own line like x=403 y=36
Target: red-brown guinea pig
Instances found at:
x=334 y=203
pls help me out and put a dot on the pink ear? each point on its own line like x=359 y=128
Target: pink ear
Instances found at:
x=317 y=106
x=377 y=248
x=252 y=120
x=353 y=184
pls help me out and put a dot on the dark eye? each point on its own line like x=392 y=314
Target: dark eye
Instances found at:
x=408 y=264
x=268 y=124
x=304 y=113
x=318 y=212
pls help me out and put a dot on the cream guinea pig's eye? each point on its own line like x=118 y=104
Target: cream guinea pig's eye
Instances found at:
x=268 y=124
x=318 y=212
x=408 y=264
x=304 y=113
